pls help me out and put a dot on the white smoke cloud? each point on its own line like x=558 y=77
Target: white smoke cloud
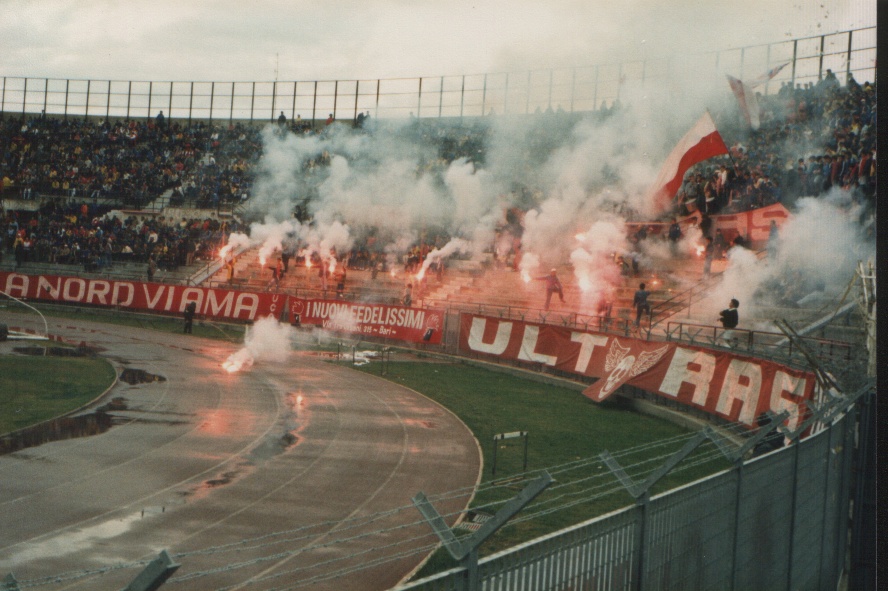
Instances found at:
x=817 y=252
x=235 y=240
x=266 y=340
x=594 y=265
x=452 y=247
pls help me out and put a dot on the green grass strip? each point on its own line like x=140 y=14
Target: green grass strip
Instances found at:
x=36 y=389
x=563 y=427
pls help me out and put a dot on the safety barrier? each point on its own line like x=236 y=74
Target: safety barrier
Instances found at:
x=470 y=95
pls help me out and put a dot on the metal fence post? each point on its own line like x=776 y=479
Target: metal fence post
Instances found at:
x=466 y=551
x=9 y=583
x=642 y=505
x=155 y=574
x=792 y=512
x=864 y=536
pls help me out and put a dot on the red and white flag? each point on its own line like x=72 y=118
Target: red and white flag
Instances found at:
x=700 y=143
x=766 y=76
x=746 y=97
x=747 y=101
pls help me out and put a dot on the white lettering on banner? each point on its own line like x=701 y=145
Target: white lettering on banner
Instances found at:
x=81 y=290
x=17 y=284
x=415 y=318
x=99 y=291
x=793 y=386
x=588 y=342
x=734 y=389
x=192 y=294
x=214 y=306
x=680 y=372
x=130 y=292
x=242 y=305
x=316 y=310
x=152 y=301
x=44 y=284
x=527 y=352
x=730 y=222
x=500 y=342
x=402 y=317
x=171 y=292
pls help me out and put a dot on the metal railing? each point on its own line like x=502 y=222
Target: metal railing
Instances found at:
x=576 y=89
x=779 y=521
x=773 y=345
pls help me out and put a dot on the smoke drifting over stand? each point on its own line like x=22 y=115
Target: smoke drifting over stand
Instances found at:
x=577 y=178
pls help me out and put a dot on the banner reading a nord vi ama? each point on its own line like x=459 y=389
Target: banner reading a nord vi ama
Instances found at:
x=140 y=295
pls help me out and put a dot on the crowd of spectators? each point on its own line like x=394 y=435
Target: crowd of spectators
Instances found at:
x=813 y=137
x=132 y=162
x=96 y=237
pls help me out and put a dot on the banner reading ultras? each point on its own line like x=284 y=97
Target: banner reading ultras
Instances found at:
x=139 y=295
x=733 y=387
x=416 y=325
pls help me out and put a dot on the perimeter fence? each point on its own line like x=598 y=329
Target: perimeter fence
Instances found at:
x=575 y=89
x=777 y=521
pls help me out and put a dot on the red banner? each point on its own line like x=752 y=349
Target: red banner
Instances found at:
x=416 y=325
x=754 y=225
x=139 y=295
x=719 y=382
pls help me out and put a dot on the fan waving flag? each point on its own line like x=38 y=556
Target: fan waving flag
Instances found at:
x=747 y=101
x=700 y=143
x=767 y=75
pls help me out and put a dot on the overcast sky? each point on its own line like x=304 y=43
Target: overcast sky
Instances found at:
x=233 y=40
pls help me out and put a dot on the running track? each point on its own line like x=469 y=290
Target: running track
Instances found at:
x=199 y=461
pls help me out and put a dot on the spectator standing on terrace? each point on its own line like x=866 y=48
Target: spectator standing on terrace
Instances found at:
x=285 y=258
x=705 y=225
x=152 y=267
x=408 y=295
x=729 y=319
x=276 y=276
x=773 y=238
x=720 y=245
x=674 y=235
x=708 y=253
x=340 y=281
x=190 y=310
x=640 y=301
x=553 y=285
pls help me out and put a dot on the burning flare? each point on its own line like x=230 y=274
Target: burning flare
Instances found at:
x=238 y=360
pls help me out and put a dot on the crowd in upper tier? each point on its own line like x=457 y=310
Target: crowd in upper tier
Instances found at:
x=812 y=137
x=132 y=162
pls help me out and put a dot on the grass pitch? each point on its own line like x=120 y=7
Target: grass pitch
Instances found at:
x=35 y=389
x=566 y=432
